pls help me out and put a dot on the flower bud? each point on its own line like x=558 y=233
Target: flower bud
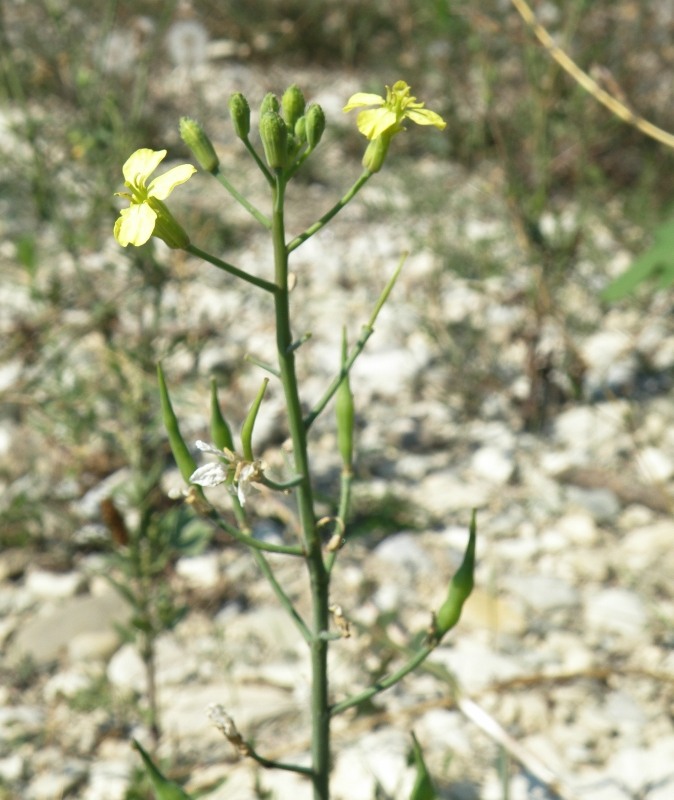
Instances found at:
x=269 y=103
x=315 y=124
x=301 y=130
x=293 y=104
x=167 y=228
x=375 y=154
x=196 y=139
x=274 y=135
x=239 y=111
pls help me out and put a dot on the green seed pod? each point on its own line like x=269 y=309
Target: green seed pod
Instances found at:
x=239 y=111
x=315 y=125
x=196 y=139
x=269 y=103
x=375 y=154
x=274 y=135
x=293 y=104
x=221 y=434
x=460 y=587
x=182 y=455
x=249 y=423
x=345 y=415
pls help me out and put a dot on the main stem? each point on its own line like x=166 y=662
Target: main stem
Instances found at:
x=320 y=714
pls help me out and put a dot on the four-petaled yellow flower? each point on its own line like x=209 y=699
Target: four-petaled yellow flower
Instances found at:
x=147 y=214
x=391 y=111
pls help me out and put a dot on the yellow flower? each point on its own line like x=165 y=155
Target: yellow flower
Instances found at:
x=392 y=111
x=147 y=214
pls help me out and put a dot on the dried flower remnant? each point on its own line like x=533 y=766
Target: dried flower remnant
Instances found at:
x=122 y=47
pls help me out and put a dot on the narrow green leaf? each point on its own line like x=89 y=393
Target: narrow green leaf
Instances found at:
x=163 y=787
x=423 y=788
x=656 y=264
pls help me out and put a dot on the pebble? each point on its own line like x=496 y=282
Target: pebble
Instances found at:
x=47 y=585
x=619 y=611
x=542 y=593
x=126 y=670
x=493 y=464
x=199 y=571
x=44 y=637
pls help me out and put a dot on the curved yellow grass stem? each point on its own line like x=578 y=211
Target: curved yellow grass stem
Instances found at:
x=589 y=84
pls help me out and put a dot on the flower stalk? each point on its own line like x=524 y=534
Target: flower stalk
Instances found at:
x=290 y=132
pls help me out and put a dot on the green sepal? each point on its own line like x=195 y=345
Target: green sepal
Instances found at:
x=375 y=153
x=300 y=131
x=460 y=586
x=221 y=434
x=166 y=227
x=163 y=787
x=181 y=454
x=249 y=422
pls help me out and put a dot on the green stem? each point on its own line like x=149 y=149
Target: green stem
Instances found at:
x=319 y=579
x=384 y=683
x=339 y=205
x=283 y=598
x=263 y=167
x=263 y=219
x=238 y=273
x=270 y=764
x=344 y=503
x=252 y=542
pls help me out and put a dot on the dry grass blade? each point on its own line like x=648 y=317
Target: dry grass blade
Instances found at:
x=589 y=84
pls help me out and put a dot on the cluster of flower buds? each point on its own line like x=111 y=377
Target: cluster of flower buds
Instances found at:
x=289 y=129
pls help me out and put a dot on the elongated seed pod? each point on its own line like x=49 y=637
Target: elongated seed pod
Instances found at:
x=460 y=587
x=186 y=464
x=221 y=434
x=249 y=423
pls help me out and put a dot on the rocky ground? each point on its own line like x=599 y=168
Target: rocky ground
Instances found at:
x=561 y=672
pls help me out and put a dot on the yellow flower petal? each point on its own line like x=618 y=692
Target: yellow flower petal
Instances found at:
x=135 y=224
x=363 y=99
x=376 y=121
x=162 y=186
x=426 y=117
x=141 y=164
